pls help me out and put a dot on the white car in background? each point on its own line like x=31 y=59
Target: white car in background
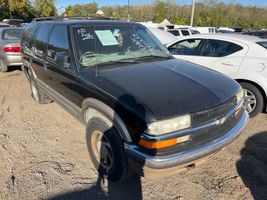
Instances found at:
x=163 y=36
x=244 y=58
x=180 y=32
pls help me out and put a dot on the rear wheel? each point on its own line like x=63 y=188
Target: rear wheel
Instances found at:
x=253 y=99
x=106 y=150
x=3 y=68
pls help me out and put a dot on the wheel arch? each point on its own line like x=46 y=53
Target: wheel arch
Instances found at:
x=94 y=108
x=259 y=88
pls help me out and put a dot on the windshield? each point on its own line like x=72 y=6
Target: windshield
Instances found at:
x=100 y=45
x=12 y=34
x=263 y=43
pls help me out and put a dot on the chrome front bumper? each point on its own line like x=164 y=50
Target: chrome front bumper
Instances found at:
x=163 y=162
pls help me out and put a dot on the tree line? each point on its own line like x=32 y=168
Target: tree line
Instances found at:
x=208 y=12
x=26 y=9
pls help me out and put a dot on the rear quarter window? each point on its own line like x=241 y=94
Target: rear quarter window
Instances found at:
x=219 y=48
x=28 y=35
x=185 y=32
x=40 y=41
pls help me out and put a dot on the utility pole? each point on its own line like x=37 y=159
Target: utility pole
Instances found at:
x=128 y=10
x=193 y=13
x=10 y=14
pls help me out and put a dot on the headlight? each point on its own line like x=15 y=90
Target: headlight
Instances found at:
x=239 y=96
x=168 y=126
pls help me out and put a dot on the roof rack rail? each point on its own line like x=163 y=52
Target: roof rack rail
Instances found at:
x=62 y=18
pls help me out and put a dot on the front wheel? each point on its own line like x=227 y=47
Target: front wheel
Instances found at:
x=106 y=150
x=253 y=99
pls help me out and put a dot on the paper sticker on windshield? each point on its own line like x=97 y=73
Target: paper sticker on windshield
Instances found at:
x=106 y=37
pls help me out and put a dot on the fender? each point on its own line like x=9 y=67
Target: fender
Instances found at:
x=95 y=108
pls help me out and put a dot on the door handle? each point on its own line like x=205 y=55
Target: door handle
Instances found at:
x=228 y=63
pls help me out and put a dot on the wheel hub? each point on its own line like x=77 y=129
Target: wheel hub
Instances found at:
x=102 y=150
x=249 y=101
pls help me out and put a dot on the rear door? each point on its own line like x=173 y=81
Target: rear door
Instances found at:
x=223 y=56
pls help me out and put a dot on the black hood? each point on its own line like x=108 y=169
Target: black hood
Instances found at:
x=167 y=88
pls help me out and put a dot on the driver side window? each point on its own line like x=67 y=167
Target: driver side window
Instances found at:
x=186 y=47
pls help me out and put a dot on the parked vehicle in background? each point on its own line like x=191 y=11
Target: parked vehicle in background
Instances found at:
x=13 y=22
x=194 y=32
x=163 y=36
x=244 y=58
x=205 y=29
x=3 y=25
x=226 y=30
x=144 y=110
x=179 y=32
x=261 y=34
x=10 y=48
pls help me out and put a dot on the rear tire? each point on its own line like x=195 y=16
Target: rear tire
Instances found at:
x=106 y=150
x=3 y=68
x=253 y=99
x=37 y=94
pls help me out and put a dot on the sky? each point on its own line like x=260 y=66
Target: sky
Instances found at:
x=63 y=3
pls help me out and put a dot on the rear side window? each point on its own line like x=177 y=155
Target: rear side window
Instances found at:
x=218 y=48
x=185 y=32
x=58 y=41
x=185 y=47
x=40 y=41
x=175 y=32
x=28 y=35
x=12 y=34
x=264 y=44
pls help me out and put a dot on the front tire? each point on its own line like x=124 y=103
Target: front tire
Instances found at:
x=106 y=150
x=253 y=99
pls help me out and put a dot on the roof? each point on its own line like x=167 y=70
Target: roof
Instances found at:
x=87 y=21
x=228 y=36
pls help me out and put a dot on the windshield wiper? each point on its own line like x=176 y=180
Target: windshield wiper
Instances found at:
x=153 y=56
x=128 y=61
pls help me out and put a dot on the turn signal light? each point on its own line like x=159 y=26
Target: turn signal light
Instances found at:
x=162 y=144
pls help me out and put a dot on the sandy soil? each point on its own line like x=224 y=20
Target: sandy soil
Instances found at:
x=43 y=156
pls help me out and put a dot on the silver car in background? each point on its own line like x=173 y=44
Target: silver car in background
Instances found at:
x=10 y=48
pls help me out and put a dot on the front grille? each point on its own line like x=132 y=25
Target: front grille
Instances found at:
x=213 y=113
x=200 y=137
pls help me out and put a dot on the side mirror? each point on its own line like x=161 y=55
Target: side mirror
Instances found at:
x=63 y=59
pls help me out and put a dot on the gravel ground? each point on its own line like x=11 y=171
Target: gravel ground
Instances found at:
x=43 y=155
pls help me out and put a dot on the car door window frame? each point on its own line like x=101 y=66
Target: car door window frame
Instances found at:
x=207 y=40
x=46 y=42
x=198 y=50
x=72 y=68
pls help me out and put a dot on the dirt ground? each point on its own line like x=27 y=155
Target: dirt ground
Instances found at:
x=43 y=155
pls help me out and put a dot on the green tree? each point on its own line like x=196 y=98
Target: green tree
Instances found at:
x=45 y=8
x=21 y=9
x=89 y=9
x=160 y=10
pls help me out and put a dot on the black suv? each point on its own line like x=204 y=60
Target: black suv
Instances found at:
x=144 y=111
